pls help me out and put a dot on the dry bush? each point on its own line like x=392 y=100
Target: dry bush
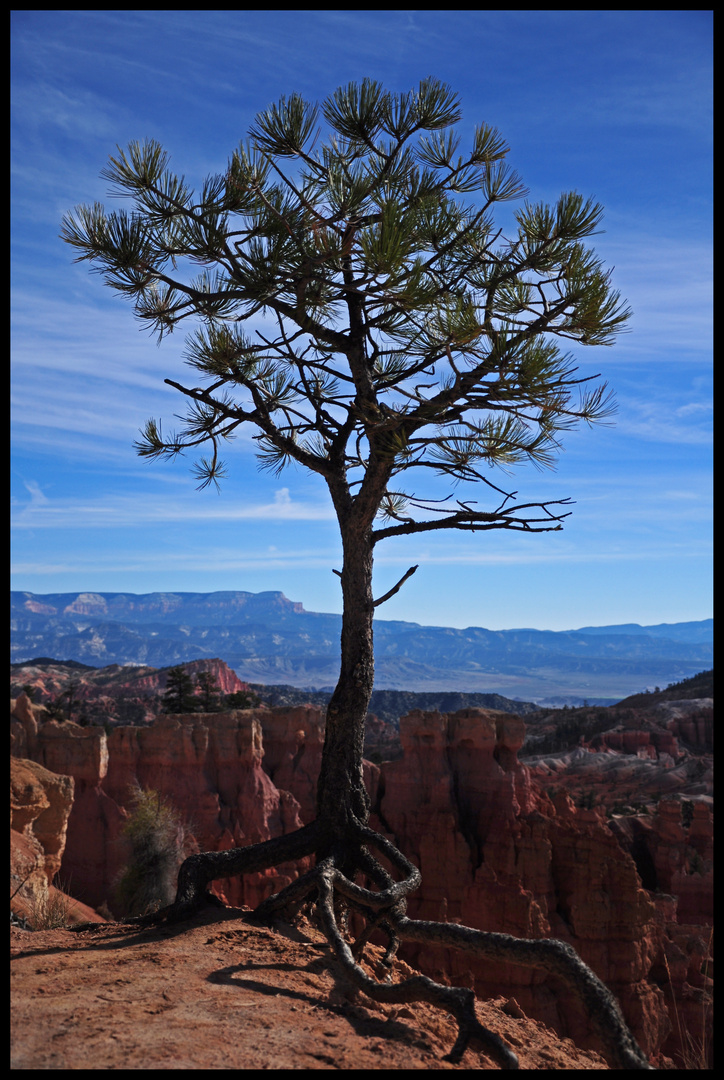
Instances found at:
x=157 y=838
x=50 y=911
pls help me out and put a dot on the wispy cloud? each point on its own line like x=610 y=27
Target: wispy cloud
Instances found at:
x=635 y=133
x=667 y=281
x=521 y=558
x=37 y=497
x=655 y=420
x=152 y=560
x=128 y=511
x=230 y=560
x=79 y=114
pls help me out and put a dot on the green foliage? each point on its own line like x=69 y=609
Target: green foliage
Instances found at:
x=696 y=863
x=628 y=808
x=179 y=695
x=62 y=706
x=209 y=700
x=55 y=710
x=185 y=694
x=572 y=727
x=402 y=331
x=242 y=699
x=700 y=685
x=156 y=836
x=587 y=799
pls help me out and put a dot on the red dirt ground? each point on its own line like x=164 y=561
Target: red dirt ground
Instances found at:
x=221 y=993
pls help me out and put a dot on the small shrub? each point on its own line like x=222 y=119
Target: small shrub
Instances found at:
x=696 y=864
x=157 y=837
x=242 y=699
x=50 y=911
x=687 y=812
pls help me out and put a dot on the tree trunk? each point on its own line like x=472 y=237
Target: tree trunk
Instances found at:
x=341 y=795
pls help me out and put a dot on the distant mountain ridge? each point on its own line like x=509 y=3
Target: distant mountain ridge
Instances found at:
x=267 y=638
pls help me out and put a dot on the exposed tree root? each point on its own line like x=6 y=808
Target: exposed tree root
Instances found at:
x=456 y=1000
x=550 y=955
x=332 y=891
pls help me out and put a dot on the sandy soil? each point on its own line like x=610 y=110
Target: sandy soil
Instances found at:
x=222 y=993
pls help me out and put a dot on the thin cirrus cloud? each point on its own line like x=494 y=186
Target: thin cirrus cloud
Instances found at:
x=154 y=559
x=113 y=512
x=652 y=420
x=230 y=560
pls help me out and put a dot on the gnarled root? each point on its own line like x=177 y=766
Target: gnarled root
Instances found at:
x=198 y=871
x=330 y=887
x=456 y=1000
x=551 y=955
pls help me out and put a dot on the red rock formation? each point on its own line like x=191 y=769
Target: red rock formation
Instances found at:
x=691 y=721
x=116 y=686
x=293 y=740
x=23 y=726
x=683 y=858
x=215 y=778
x=92 y=846
x=495 y=852
x=40 y=805
x=649 y=744
x=207 y=764
x=227 y=680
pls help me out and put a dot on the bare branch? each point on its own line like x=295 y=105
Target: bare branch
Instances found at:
x=483 y=521
x=397 y=587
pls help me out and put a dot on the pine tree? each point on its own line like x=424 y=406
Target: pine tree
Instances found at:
x=179 y=695
x=242 y=699
x=404 y=336
x=209 y=699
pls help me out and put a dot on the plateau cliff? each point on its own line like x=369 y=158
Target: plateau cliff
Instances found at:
x=267 y=638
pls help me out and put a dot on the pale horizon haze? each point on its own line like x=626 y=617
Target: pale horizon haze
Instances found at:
x=616 y=105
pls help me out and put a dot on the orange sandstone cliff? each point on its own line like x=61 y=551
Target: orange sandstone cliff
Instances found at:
x=494 y=850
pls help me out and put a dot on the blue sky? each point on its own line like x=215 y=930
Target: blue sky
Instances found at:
x=613 y=104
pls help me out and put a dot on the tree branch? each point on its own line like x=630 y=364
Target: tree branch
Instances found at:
x=472 y=521
x=397 y=587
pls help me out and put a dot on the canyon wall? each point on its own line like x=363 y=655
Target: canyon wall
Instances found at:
x=40 y=805
x=519 y=864
x=632 y=895
x=41 y=802
x=497 y=853
x=208 y=765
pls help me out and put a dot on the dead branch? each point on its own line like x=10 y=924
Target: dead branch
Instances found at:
x=397 y=587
